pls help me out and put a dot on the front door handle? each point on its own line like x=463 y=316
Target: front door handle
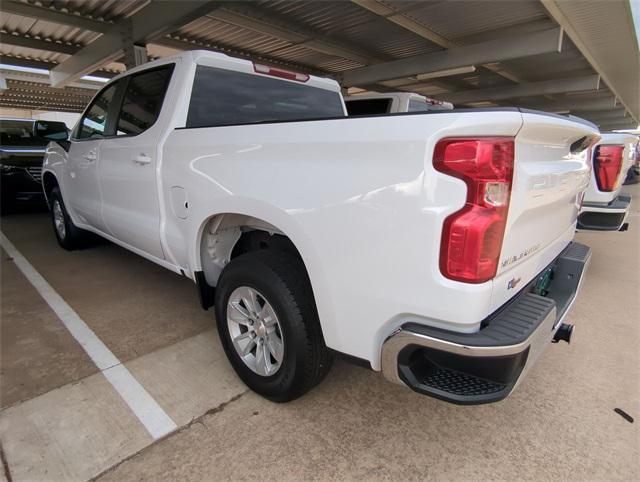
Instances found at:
x=90 y=156
x=142 y=159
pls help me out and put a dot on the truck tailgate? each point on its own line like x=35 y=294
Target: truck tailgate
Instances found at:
x=551 y=171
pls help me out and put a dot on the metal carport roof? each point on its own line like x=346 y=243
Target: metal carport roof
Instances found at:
x=562 y=56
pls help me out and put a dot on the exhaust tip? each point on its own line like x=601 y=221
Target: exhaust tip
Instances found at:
x=564 y=333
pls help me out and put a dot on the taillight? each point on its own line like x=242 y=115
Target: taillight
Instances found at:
x=607 y=163
x=283 y=74
x=472 y=237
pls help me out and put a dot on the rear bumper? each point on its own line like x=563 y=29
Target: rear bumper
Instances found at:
x=486 y=366
x=605 y=217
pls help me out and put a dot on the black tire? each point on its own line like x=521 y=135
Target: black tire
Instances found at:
x=73 y=237
x=282 y=280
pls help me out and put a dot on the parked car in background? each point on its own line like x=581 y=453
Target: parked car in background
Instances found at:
x=435 y=247
x=22 y=149
x=604 y=208
x=392 y=102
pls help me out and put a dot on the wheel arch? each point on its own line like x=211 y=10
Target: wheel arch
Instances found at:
x=49 y=182
x=223 y=236
x=277 y=224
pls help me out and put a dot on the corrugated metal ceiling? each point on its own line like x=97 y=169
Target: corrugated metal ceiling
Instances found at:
x=336 y=36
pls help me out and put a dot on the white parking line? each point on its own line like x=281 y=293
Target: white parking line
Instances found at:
x=150 y=414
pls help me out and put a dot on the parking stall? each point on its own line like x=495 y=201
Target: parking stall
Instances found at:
x=110 y=368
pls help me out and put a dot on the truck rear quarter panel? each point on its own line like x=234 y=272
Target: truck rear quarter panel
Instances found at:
x=360 y=200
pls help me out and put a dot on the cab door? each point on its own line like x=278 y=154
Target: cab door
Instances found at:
x=81 y=186
x=129 y=161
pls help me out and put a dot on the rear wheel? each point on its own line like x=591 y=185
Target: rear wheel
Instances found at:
x=268 y=325
x=68 y=235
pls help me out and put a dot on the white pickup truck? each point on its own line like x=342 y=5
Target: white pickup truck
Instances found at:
x=433 y=246
x=604 y=208
x=391 y=103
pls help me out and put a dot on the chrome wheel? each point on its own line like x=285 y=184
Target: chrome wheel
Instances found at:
x=58 y=219
x=255 y=331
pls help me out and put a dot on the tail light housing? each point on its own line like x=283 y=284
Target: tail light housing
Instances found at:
x=607 y=163
x=472 y=237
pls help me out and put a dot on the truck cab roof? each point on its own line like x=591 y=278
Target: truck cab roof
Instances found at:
x=226 y=62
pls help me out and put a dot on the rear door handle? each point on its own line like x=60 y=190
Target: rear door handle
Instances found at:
x=142 y=159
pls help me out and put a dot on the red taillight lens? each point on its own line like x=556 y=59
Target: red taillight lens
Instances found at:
x=607 y=163
x=472 y=237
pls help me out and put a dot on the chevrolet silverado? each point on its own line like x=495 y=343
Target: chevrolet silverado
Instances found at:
x=436 y=247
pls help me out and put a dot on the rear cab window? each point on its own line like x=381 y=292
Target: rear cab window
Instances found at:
x=356 y=107
x=226 y=97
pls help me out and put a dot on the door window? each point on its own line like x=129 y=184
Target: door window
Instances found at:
x=143 y=100
x=94 y=122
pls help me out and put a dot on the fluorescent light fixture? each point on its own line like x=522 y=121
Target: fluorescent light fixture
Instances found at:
x=94 y=78
x=446 y=73
x=29 y=70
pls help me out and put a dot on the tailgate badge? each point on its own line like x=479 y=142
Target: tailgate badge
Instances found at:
x=513 y=283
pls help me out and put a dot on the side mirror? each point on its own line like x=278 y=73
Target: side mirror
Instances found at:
x=51 y=130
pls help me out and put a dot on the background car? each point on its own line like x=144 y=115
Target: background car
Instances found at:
x=22 y=146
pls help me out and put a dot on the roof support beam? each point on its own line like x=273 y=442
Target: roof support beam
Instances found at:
x=38 y=44
x=41 y=64
x=290 y=33
x=20 y=104
x=147 y=24
x=571 y=105
x=482 y=53
x=557 y=12
x=602 y=115
x=44 y=80
x=51 y=15
x=400 y=19
x=559 y=86
x=627 y=121
x=405 y=22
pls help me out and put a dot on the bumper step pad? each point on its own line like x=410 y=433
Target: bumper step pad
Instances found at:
x=485 y=366
x=461 y=384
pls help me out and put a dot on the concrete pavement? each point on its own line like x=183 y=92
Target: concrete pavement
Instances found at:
x=61 y=419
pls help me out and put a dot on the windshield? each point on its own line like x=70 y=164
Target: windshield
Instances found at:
x=18 y=133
